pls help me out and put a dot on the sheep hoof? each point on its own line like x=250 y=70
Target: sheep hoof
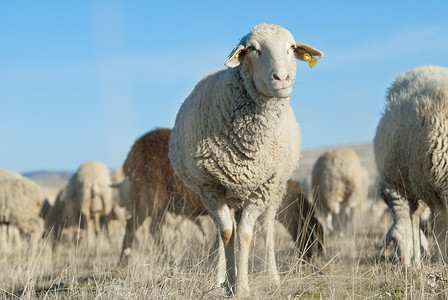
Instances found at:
x=276 y=279
x=243 y=291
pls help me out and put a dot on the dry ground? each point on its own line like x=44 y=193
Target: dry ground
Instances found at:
x=183 y=268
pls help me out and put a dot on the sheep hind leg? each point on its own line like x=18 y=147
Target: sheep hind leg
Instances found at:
x=269 y=228
x=440 y=232
x=218 y=249
x=96 y=223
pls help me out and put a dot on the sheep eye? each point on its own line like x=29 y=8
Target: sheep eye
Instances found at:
x=251 y=48
x=291 y=49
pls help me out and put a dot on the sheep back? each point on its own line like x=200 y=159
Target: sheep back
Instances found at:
x=89 y=191
x=21 y=201
x=411 y=142
x=338 y=178
x=152 y=178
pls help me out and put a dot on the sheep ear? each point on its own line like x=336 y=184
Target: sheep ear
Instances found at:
x=235 y=57
x=300 y=49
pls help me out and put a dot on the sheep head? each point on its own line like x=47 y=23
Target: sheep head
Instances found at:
x=269 y=52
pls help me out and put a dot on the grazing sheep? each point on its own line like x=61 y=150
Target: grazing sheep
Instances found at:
x=20 y=205
x=151 y=189
x=297 y=215
x=56 y=216
x=411 y=153
x=236 y=141
x=340 y=184
x=411 y=149
x=10 y=235
x=89 y=196
x=402 y=225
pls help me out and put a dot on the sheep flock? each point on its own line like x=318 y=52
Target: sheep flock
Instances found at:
x=231 y=166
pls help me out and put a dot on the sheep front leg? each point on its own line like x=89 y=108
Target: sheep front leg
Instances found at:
x=223 y=218
x=269 y=229
x=131 y=226
x=221 y=263
x=244 y=233
x=415 y=219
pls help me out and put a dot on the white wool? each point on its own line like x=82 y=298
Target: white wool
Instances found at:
x=340 y=183
x=20 y=204
x=236 y=140
x=411 y=146
x=88 y=194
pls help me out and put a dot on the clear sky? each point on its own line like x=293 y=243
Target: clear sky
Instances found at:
x=82 y=80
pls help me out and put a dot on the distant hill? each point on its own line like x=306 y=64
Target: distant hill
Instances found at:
x=58 y=179
x=50 y=179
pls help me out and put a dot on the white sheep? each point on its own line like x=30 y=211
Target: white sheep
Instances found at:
x=340 y=184
x=236 y=141
x=89 y=196
x=411 y=149
x=5 y=175
x=20 y=205
x=10 y=235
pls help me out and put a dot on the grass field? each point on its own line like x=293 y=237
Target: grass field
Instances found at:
x=182 y=267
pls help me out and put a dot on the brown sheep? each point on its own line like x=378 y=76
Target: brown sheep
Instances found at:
x=56 y=216
x=152 y=184
x=297 y=215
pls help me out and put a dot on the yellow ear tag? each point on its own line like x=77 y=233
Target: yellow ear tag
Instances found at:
x=233 y=51
x=307 y=57
x=312 y=63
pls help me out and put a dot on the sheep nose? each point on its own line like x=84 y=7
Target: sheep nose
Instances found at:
x=281 y=76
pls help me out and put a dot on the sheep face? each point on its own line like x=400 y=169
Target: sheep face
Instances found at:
x=268 y=52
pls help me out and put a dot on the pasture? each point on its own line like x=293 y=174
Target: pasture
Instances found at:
x=182 y=265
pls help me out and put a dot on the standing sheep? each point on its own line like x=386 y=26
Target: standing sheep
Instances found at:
x=236 y=141
x=411 y=150
x=340 y=184
x=151 y=189
x=89 y=196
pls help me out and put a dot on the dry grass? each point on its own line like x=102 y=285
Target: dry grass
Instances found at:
x=183 y=268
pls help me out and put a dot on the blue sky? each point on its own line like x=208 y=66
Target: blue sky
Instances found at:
x=82 y=80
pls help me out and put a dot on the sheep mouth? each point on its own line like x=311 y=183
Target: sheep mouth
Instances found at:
x=284 y=88
x=284 y=91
